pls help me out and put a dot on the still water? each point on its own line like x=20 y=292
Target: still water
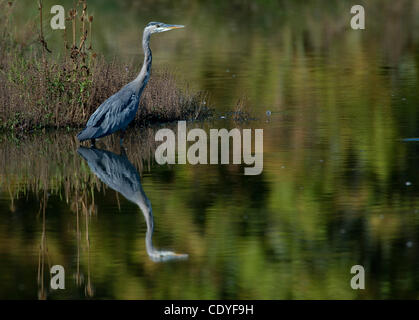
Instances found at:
x=339 y=186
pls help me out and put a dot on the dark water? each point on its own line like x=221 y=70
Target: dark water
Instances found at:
x=339 y=186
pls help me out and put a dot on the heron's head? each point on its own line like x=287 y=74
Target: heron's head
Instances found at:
x=156 y=27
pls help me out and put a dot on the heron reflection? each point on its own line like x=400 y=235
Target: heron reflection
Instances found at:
x=119 y=174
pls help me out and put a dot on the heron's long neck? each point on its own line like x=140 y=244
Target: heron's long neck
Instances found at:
x=145 y=72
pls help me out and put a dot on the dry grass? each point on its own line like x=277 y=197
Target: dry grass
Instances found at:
x=240 y=112
x=36 y=91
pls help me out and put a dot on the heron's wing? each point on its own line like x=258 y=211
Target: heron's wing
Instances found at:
x=116 y=112
x=119 y=117
x=99 y=115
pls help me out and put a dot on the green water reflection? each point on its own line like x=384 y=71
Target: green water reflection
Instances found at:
x=339 y=186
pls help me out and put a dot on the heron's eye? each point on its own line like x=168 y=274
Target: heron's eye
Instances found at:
x=158 y=26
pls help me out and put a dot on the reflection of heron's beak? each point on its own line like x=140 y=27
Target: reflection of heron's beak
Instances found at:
x=164 y=256
x=181 y=255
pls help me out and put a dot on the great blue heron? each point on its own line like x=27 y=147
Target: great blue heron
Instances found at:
x=119 y=110
x=119 y=174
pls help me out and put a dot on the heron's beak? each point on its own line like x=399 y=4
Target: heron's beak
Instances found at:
x=168 y=27
x=174 y=26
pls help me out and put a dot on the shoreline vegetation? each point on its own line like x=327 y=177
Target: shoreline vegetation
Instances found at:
x=40 y=91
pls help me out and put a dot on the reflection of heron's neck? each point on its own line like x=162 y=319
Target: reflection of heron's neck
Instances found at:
x=147 y=211
x=155 y=255
x=148 y=216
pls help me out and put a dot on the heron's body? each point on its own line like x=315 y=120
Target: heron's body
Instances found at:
x=119 y=174
x=116 y=113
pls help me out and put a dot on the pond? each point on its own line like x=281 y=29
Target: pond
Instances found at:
x=339 y=186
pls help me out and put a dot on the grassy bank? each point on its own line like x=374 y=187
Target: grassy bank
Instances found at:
x=39 y=90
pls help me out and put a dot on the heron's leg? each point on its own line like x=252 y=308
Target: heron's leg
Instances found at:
x=121 y=136
x=93 y=143
x=122 y=151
